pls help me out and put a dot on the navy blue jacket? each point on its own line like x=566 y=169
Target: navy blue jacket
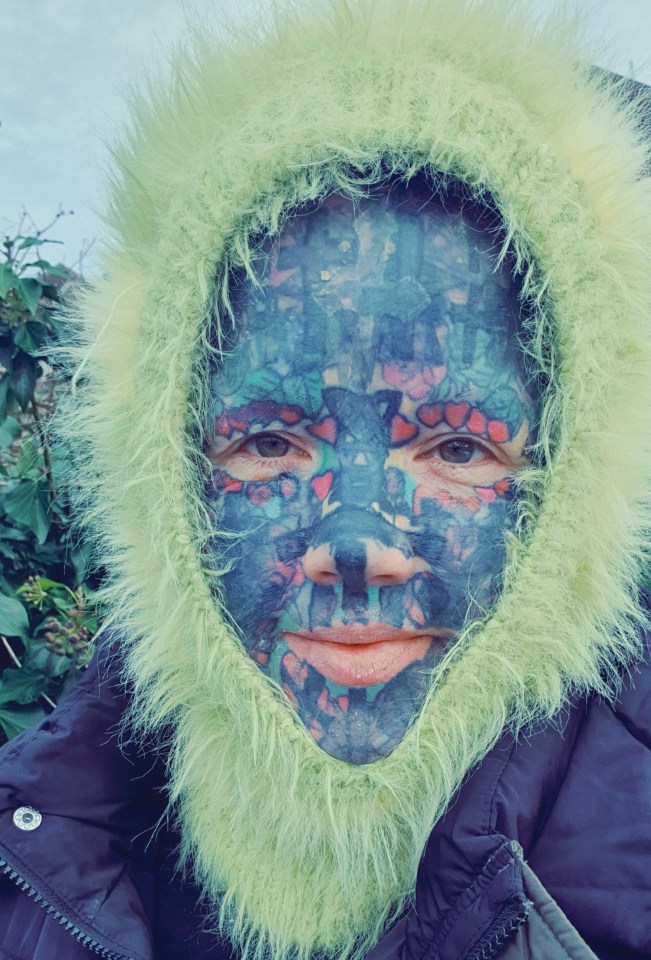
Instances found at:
x=569 y=804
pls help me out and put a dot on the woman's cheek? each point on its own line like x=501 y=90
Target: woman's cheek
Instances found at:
x=275 y=517
x=264 y=562
x=462 y=532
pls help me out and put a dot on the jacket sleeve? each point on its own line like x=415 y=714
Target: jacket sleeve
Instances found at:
x=68 y=880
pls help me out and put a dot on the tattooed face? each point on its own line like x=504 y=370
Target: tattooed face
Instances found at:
x=367 y=420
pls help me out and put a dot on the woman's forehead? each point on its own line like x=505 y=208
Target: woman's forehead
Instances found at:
x=393 y=277
x=379 y=240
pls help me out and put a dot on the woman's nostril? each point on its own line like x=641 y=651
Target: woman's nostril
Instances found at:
x=381 y=580
x=387 y=579
x=319 y=566
x=387 y=566
x=326 y=578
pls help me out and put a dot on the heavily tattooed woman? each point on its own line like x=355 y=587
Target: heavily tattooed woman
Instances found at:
x=368 y=417
x=362 y=434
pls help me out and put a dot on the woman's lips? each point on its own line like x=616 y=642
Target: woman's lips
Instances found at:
x=360 y=655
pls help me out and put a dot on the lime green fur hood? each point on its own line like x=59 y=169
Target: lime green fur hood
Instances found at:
x=298 y=851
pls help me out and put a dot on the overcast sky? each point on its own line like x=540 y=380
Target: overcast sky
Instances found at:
x=63 y=64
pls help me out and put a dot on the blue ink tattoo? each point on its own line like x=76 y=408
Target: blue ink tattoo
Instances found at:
x=366 y=424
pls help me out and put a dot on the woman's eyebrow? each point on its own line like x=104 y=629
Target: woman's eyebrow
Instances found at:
x=475 y=418
x=262 y=413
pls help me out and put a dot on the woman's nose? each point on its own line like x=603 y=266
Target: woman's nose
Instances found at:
x=360 y=563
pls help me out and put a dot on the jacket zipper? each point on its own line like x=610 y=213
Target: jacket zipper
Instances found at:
x=504 y=925
x=8 y=871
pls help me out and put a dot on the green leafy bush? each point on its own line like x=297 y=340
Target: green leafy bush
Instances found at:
x=47 y=615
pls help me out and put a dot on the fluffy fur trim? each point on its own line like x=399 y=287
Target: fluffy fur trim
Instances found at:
x=305 y=853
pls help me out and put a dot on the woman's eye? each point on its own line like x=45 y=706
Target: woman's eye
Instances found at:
x=458 y=450
x=270 y=446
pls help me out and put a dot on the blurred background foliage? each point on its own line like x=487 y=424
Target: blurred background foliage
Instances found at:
x=47 y=613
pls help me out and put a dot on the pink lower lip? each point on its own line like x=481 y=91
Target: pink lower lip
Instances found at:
x=358 y=664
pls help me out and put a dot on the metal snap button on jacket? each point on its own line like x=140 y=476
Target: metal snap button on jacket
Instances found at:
x=27 y=818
